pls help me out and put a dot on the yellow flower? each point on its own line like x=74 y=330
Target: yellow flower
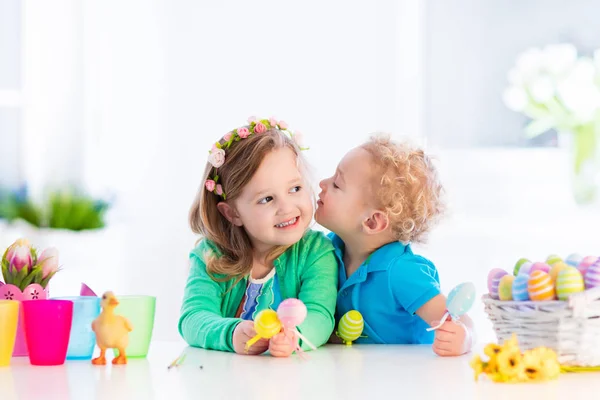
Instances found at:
x=511 y=344
x=510 y=363
x=477 y=366
x=541 y=363
x=492 y=350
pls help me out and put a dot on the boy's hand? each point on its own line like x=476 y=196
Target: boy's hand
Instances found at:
x=283 y=344
x=451 y=339
x=242 y=334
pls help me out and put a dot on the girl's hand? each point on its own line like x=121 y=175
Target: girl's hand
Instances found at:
x=452 y=339
x=242 y=334
x=283 y=344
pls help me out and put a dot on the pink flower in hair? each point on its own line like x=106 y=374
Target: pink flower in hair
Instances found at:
x=283 y=125
x=219 y=190
x=216 y=157
x=227 y=136
x=298 y=138
x=273 y=122
x=260 y=128
x=251 y=119
x=210 y=185
x=243 y=132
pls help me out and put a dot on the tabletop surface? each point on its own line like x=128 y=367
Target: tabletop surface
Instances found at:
x=334 y=371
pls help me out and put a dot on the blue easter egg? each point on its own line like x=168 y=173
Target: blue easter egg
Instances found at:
x=461 y=299
x=519 y=288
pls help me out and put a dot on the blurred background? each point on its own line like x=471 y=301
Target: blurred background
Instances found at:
x=108 y=108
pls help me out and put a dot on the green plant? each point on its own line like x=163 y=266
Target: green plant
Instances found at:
x=62 y=209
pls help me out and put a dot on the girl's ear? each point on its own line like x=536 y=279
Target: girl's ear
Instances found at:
x=375 y=223
x=229 y=213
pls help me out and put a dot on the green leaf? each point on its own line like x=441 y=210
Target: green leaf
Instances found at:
x=37 y=278
x=20 y=276
x=216 y=178
x=218 y=145
x=29 y=278
x=5 y=274
x=46 y=280
x=537 y=127
x=224 y=196
x=34 y=256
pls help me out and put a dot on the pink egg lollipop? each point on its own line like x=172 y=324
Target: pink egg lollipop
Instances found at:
x=291 y=313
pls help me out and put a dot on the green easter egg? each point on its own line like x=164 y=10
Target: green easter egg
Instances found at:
x=518 y=265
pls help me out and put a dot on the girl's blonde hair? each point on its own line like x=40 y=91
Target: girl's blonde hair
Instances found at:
x=242 y=161
x=409 y=189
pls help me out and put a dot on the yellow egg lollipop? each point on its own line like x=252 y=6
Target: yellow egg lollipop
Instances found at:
x=266 y=325
x=351 y=326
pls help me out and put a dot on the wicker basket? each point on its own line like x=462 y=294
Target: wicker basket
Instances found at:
x=571 y=328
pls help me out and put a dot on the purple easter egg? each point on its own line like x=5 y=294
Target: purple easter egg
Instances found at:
x=592 y=275
x=494 y=280
x=540 y=266
x=586 y=263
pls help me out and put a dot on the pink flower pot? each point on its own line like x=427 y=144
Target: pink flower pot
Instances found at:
x=31 y=292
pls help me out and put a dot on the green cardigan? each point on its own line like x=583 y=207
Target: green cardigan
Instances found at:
x=307 y=271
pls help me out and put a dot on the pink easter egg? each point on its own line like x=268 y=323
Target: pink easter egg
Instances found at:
x=540 y=266
x=592 y=275
x=291 y=312
x=494 y=281
x=586 y=263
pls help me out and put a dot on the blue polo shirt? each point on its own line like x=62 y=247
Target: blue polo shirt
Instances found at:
x=387 y=289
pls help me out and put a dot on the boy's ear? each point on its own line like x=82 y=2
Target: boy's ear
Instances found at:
x=229 y=213
x=375 y=223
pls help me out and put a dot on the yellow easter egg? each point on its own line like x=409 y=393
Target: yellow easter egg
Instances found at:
x=505 y=287
x=267 y=324
x=556 y=268
x=569 y=281
x=351 y=326
x=540 y=286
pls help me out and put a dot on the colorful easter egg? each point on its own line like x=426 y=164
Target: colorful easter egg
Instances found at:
x=494 y=280
x=525 y=268
x=592 y=275
x=553 y=259
x=351 y=326
x=505 y=287
x=460 y=299
x=556 y=268
x=540 y=286
x=573 y=259
x=585 y=263
x=540 y=266
x=519 y=264
x=291 y=313
x=569 y=281
x=519 y=288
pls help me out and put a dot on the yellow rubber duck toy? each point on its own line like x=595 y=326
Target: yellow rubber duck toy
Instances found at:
x=112 y=331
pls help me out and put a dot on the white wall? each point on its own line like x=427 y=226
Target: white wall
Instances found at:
x=471 y=45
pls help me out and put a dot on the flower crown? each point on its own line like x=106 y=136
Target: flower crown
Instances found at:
x=255 y=127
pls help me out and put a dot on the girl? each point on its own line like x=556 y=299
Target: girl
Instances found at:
x=253 y=211
x=382 y=197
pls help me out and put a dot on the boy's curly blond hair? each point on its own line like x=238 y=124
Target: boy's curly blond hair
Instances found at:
x=409 y=189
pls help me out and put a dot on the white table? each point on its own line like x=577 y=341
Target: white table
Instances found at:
x=358 y=372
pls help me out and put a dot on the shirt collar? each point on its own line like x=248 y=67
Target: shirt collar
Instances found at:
x=379 y=260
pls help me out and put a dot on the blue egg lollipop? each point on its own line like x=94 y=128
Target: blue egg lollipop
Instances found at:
x=459 y=302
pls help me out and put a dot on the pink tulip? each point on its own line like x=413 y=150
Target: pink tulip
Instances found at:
x=19 y=255
x=49 y=261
